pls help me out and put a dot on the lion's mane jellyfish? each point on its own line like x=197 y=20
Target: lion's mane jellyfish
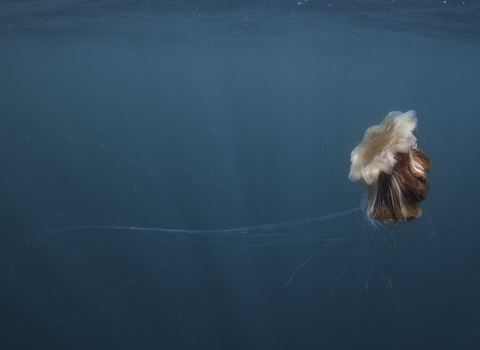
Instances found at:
x=392 y=168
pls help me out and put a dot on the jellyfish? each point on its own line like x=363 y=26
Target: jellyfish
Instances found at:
x=393 y=169
x=77 y=260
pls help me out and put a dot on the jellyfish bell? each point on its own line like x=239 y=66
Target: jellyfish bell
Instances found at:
x=392 y=168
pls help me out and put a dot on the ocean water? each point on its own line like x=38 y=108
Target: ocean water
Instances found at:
x=174 y=175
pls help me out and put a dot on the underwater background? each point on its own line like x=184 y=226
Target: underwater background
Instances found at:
x=216 y=115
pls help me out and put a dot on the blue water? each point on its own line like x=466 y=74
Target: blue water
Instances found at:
x=218 y=121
